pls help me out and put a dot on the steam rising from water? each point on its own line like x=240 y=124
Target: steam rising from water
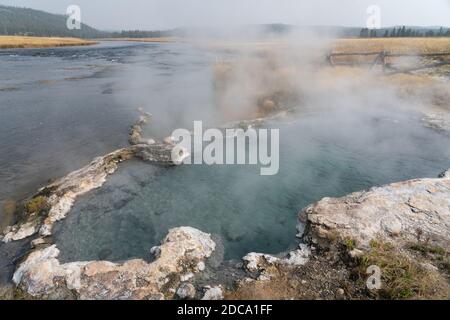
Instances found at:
x=348 y=129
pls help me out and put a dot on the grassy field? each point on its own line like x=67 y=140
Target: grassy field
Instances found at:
x=410 y=46
x=7 y=42
x=393 y=45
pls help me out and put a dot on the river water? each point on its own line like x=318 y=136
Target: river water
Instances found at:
x=62 y=107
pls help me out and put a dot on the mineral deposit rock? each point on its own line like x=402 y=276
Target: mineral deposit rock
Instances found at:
x=42 y=274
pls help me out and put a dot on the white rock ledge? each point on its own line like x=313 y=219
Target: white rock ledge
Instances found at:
x=398 y=213
x=42 y=276
x=61 y=194
x=259 y=262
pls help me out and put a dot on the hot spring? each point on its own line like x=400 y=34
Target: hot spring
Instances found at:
x=322 y=154
x=351 y=137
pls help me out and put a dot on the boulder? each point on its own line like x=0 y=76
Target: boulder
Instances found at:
x=186 y=291
x=266 y=266
x=398 y=213
x=213 y=293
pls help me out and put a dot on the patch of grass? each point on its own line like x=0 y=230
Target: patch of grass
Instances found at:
x=349 y=244
x=7 y=42
x=402 y=277
x=173 y=280
x=426 y=248
x=439 y=255
x=37 y=205
x=394 y=45
x=446 y=265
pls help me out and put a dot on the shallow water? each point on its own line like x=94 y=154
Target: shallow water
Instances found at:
x=62 y=107
x=55 y=116
x=319 y=157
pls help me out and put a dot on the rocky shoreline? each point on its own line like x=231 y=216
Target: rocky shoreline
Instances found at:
x=409 y=220
x=53 y=202
x=403 y=226
x=182 y=254
x=438 y=121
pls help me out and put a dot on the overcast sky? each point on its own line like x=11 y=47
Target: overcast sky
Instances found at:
x=165 y=14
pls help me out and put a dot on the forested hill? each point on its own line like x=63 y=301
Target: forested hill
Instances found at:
x=30 y=22
x=22 y=21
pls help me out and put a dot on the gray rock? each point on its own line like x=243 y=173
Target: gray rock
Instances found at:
x=214 y=293
x=395 y=213
x=340 y=294
x=155 y=251
x=445 y=174
x=259 y=262
x=438 y=121
x=298 y=257
x=356 y=253
x=186 y=291
x=37 y=242
x=162 y=153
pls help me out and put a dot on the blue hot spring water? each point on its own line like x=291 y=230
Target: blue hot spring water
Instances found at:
x=321 y=155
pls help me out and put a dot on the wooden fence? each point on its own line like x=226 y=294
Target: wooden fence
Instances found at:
x=382 y=58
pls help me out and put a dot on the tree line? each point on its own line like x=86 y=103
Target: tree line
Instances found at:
x=16 y=21
x=403 y=32
x=139 y=34
x=29 y=22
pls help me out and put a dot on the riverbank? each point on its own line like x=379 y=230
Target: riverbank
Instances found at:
x=11 y=42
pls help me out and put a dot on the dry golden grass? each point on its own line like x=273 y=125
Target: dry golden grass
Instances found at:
x=393 y=45
x=37 y=205
x=413 y=48
x=7 y=42
x=403 y=277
